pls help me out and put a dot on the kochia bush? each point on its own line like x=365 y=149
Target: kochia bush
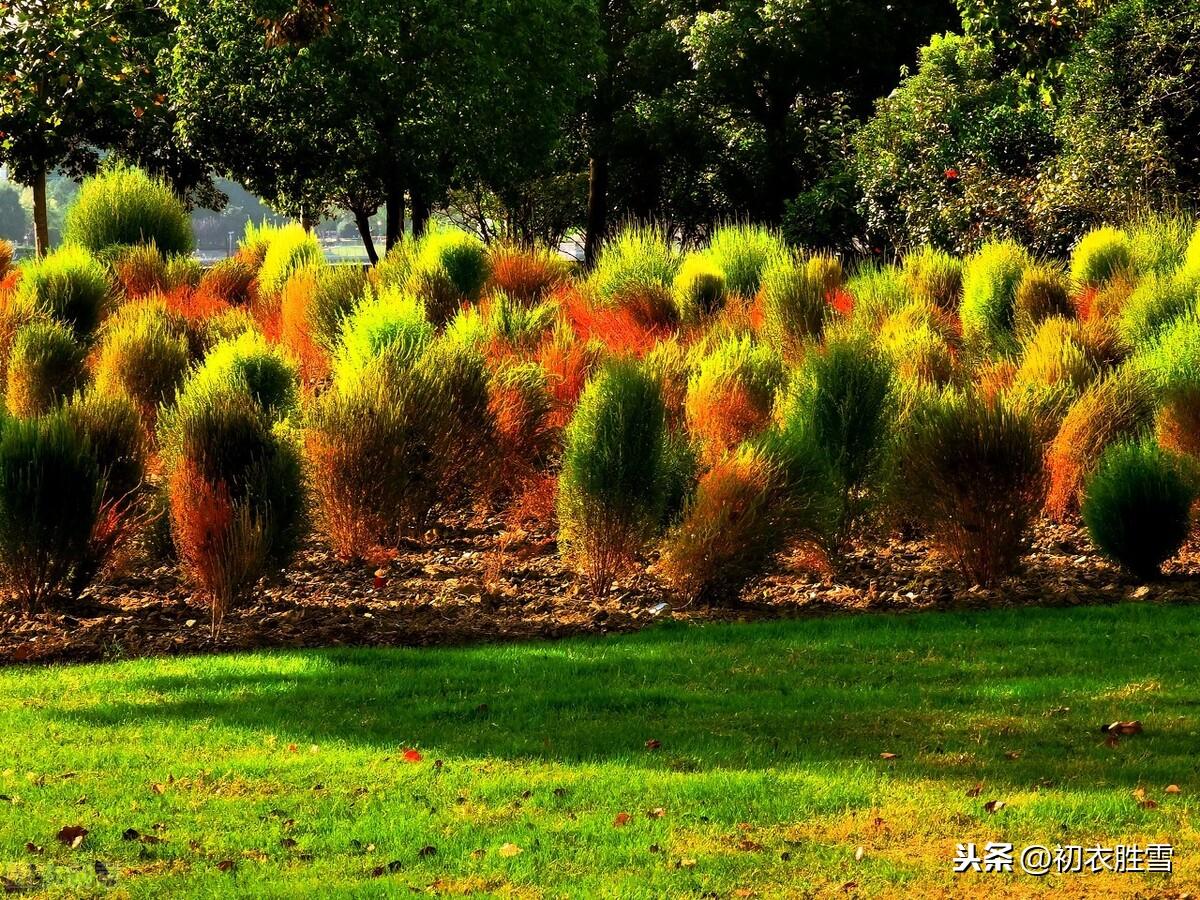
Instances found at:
x=613 y=490
x=990 y=281
x=69 y=285
x=45 y=366
x=123 y=206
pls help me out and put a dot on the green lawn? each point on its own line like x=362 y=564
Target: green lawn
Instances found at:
x=769 y=778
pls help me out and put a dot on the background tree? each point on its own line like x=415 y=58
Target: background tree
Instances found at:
x=371 y=103
x=14 y=221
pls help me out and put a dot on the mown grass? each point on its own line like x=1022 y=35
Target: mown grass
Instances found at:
x=291 y=766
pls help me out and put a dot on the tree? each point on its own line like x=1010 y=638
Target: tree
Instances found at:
x=80 y=78
x=369 y=102
x=782 y=72
x=14 y=222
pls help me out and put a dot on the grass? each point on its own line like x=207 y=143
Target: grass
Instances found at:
x=769 y=775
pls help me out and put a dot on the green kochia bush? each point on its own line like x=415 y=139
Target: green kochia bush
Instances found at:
x=844 y=397
x=123 y=206
x=794 y=311
x=969 y=473
x=50 y=495
x=392 y=327
x=44 y=366
x=288 y=250
x=743 y=253
x=1101 y=255
x=700 y=288
x=249 y=364
x=990 y=281
x=1137 y=506
x=69 y=285
x=449 y=267
x=638 y=266
x=613 y=485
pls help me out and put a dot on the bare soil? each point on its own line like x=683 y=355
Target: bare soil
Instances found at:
x=474 y=581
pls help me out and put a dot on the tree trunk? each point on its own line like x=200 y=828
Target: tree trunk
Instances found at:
x=308 y=222
x=41 y=219
x=363 y=221
x=394 y=204
x=597 y=211
x=421 y=213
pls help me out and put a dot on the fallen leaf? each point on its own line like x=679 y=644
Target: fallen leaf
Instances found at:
x=72 y=835
x=225 y=865
x=860 y=853
x=621 y=820
x=743 y=892
x=427 y=850
x=1172 y=789
x=1013 y=754
x=685 y=864
x=508 y=850
x=657 y=813
x=889 y=755
x=1122 y=728
x=749 y=846
x=653 y=744
x=130 y=834
x=413 y=756
x=976 y=790
x=994 y=806
x=292 y=748
x=849 y=886
x=31 y=847
x=1148 y=804
x=287 y=842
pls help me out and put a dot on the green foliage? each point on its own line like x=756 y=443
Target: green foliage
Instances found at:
x=970 y=474
x=1158 y=243
x=743 y=253
x=449 y=267
x=843 y=396
x=1043 y=292
x=638 y=263
x=289 y=249
x=143 y=355
x=113 y=428
x=700 y=287
x=70 y=285
x=247 y=364
x=1100 y=256
x=45 y=366
x=338 y=290
x=49 y=500
x=1137 y=506
x=612 y=489
x=878 y=292
x=935 y=276
x=123 y=206
x=1156 y=303
x=392 y=326
x=792 y=299
x=990 y=281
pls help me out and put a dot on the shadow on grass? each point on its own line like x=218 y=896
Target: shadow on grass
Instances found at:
x=1010 y=696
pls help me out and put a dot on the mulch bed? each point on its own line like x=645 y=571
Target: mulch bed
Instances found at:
x=473 y=582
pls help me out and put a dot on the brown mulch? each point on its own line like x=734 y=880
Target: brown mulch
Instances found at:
x=473 y=582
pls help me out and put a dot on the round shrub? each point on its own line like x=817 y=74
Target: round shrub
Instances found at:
x=68 y=285
x=699 y=288
x=915 y=341
x=936 y=276
x=6 y=258
x=1155 y=303
x=612 y=490
x=122 y=206
x=792 y=304
x=990 y=281
x=1042 y=293
x=230 y=279
x=392 y=326
x=1137 y=506
x=731 y=393
x=1100 y=256
x=235 y=490
x=743 y=253
x=526 y=275
x=1119 y=405
x=249 y=365
x=877 y=292
x=843 y=396
x=115 y=435
x=449 y=268
x=49 y=501
x=140 y=270
x=1172 y=364
x=44 y=367
x=636 y=268
x=314 y=305
x=143 y=355
x=288 y=250
x=970 y=476
x=1158 y=244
